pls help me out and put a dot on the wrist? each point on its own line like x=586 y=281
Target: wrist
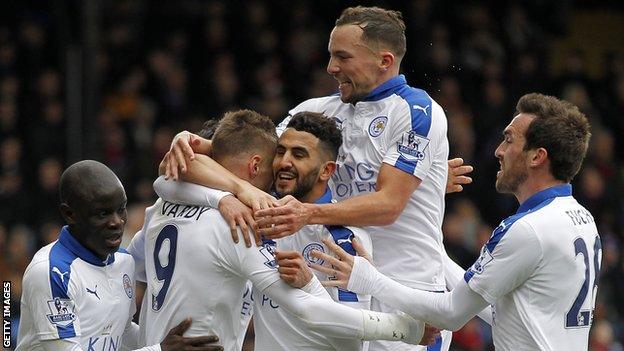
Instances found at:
x=312 y=212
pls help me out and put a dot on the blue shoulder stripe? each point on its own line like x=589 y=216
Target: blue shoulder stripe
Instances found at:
x=419 y=104
x=61 y=259
x=420 y=107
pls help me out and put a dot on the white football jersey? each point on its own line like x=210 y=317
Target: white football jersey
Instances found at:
x=193 y=269
x=70 y=292
x=405 y=128
x=539 y=271
x=270 y=321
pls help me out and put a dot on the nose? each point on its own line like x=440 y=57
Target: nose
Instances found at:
x=498 y=153
x=332 y=67
x=117 y=220
x=285 y=161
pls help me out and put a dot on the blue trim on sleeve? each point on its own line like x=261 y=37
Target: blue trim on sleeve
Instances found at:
x=437 y=346
x=348 y=296
x=532 y=204
x=405 y=165
x=61 y=258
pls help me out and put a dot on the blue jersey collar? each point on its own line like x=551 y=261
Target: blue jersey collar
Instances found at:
x=326 y=198
x=67 y=239
x=386 y=89
x=539 y=197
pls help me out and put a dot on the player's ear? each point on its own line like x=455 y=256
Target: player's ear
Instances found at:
x=387 y=60
x=538 y=157
x=327 y=170
x=69 y=215
x=254 y=165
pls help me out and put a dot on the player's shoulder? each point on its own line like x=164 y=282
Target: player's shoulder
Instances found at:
x=319 y=104
x=123 y=257
x=38 y=270
x=414 y=107
x=40 y=263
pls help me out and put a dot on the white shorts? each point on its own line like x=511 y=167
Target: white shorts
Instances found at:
x=443 y=342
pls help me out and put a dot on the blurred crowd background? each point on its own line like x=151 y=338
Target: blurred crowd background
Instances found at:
x=115 y=80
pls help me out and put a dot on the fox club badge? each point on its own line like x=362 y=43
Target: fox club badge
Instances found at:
x=377 y=126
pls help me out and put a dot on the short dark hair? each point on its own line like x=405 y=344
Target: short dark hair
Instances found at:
x=208 y=128
x=381 y=27
x=560 y=128
x=322 y=127
x=244 y=131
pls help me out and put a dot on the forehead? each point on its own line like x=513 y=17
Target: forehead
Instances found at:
x=296 y=138
x=348 y=36
x=106 y=197
x=519 y=124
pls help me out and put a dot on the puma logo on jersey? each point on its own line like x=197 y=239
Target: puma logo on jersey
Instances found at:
x=423 y=109
x=342 y=241
x=94 y=291
x=57 y=271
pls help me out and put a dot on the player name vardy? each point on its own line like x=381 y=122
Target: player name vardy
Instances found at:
x=182 y=211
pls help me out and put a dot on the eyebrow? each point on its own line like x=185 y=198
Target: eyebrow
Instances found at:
x=339 y=52
x=301 y=148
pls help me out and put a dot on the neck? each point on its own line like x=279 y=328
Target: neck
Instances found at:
x=530 y=188
x=315 y=193
x=387 y=75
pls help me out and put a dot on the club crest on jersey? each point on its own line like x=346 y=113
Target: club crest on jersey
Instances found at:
x=412 y=146
x=127 y=284
x=268 y=251
x=482 y=261
x=377 y=126
x=61 y=311
x=307 y=253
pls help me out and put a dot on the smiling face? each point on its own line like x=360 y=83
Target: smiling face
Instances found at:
x=297 y=164
x=353 y=63
x=511 y=155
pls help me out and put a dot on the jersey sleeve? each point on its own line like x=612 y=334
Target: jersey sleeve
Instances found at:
x=136 y=248
x=417 y=136
x=52 y=307
x=186 y=193
x=256 y=263
x=282 y=126
x=507 y=260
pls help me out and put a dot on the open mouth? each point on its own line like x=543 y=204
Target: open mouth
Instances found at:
x=114 y=240
x=286 y=176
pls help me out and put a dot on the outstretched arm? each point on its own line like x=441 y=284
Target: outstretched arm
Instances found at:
x=333 y=319
x=443 y=310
